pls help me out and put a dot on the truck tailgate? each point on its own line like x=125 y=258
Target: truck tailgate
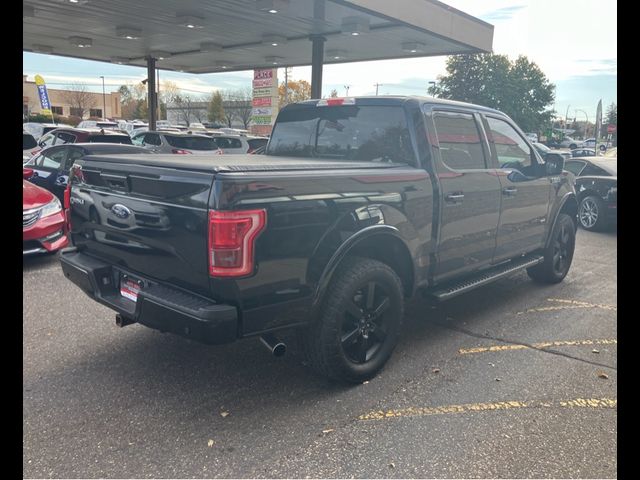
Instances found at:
x=145 y=218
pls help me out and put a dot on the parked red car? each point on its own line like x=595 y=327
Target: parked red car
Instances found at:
x=43 y=222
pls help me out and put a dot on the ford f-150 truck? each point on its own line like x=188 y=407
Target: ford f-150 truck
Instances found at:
x=357 y=204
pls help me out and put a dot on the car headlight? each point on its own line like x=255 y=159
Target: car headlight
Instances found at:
x=51 y=208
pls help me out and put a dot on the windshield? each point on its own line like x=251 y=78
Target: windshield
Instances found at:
x=28 y=141
x=611 y=166
x=346 y=132
x=191 y=143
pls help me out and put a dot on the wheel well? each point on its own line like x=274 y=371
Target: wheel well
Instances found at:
x=570 y=207
x=391 y=251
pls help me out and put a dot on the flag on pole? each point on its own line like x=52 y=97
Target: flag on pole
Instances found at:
x=44 y=96
x=599 y=120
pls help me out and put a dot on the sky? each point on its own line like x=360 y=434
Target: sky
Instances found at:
x=574 y=42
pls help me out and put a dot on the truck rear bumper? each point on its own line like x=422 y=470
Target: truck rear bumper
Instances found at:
x=158 y=306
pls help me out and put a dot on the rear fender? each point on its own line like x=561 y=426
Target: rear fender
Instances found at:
x=400 y=250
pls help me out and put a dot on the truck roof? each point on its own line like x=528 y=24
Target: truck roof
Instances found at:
x=401 y=99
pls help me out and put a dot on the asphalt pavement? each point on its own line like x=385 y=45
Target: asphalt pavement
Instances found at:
x=510 y=380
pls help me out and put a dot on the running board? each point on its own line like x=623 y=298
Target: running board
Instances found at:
x=462 y=286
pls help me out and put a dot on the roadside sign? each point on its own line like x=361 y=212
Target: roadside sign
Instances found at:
x=611 y=128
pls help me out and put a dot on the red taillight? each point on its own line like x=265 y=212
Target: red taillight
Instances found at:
x=232 y=238
x=180 y=151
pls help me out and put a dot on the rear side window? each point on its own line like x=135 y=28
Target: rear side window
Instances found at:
x=345 y=132
x=592 y=170
x=227 y=142
x=257 y=142
x=459 y=140
x=191 y=143
x=63 y=137
x=152 y=139
x=28 y=141
x=110 y=139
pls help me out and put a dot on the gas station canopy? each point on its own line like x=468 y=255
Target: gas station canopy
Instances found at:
x=200 y=36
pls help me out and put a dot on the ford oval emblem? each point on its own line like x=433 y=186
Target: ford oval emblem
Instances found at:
x=120 y=211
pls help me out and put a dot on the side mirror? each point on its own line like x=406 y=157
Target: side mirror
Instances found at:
x=554 y=163
x=27 y=173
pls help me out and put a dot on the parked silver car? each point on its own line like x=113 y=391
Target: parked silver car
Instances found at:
x=178 y=143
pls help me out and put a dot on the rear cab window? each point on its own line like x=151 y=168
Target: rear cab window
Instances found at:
x=346 y=132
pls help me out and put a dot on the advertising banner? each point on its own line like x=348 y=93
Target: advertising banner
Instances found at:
x=260 y=111
x=261 y=101
x=43 y=95
x=598 y=131
x=265 y=100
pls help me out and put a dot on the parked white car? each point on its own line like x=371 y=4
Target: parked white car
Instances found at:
x=39 y=129
x=97 y=124
x=591 y=143
x=232 y=143
x=178 y=143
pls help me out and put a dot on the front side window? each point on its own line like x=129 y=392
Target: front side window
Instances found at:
x=459 y=141
x=510 y=148
x=137 y=139
x=346 y=132
x=47 y=140
x=52 y=158
x=594 y=171
x=106 y=138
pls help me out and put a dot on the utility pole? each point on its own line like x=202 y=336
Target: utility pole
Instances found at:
x=104 y=101
x=377 y=85
x=286 y=85
x=346 y=87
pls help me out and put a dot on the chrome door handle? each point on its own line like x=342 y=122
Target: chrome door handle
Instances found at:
x=509 y=191
x=454 y=197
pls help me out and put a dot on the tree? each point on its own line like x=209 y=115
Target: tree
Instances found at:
x=299 y=90
x=167 y=94
x=79 y=98
x=611 y=116
x=216 y=110
x=518 y=88
x=185 y=106
x=243 y=105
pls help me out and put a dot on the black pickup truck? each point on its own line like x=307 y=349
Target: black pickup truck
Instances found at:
x=357 y=204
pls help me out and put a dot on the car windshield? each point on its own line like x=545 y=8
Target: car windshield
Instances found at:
x=28 y=141
x=541 y=147
x=110 y=139
x=345 y=132
x=191 y=142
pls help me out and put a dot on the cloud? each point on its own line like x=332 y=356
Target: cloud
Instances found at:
x=504 y=13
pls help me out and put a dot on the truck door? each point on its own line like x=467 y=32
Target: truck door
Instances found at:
x=469 y=194
x=525 y=191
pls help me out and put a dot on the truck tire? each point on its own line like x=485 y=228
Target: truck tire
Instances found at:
x=359 y=321
x=558 y=255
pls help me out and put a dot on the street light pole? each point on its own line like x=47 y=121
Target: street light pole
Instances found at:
x=104 y=99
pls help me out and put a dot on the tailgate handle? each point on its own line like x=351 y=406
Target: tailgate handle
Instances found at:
x=117 y=182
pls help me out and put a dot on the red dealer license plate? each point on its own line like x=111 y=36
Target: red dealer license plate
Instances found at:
x=129 y=289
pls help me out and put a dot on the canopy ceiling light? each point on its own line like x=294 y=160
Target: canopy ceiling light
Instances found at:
x=336 y=54
x=76 y=2
x=272 y=6
x=81 y=42
x=160 y=54
x=222 y=64
x=273 y=60
x=413 y=47
x=130 y=33
x=190 y=21
x=42 y=48
x=274 y=40
x=206 y=47
x=119 y=60
x=354 y=26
